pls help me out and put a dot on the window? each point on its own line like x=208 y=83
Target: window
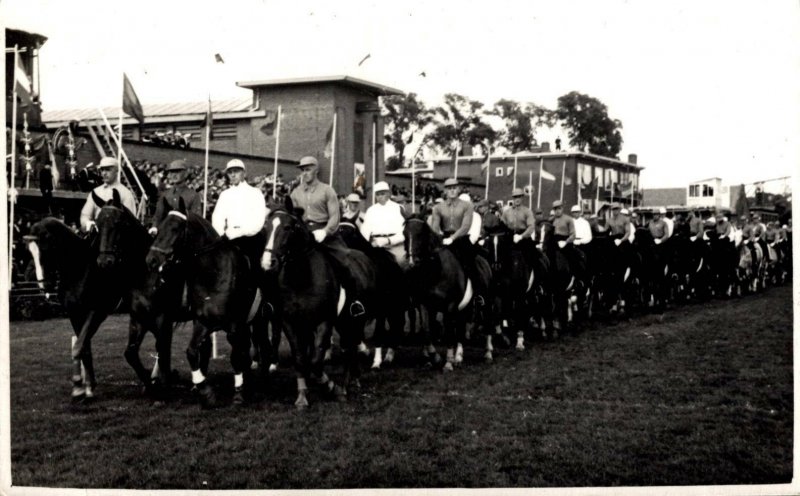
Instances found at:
x=598 y=173
x=694 y=190
x=358 y=142
x=498 y=172
x=195 y=131
x=585 y=173
x=224 y=131
x=509 y=170
x=708 y=190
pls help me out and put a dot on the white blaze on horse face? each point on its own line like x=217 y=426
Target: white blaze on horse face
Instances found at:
x=541 y=235
x=496 y=258
x=34 y=249
x=266 y=259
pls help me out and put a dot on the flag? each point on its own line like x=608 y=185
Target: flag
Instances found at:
x=626 y=189
x=208 y=120
x=547 y=175
x=218 y=58
x=23 y=84
x=329 y=142
x=130 y=102
x=271 y=122
x=588 y=190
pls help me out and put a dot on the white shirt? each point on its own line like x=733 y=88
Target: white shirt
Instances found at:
x=670 y=226
x=381 y=220
x=475 y=228
x=583 y=231
x=240 y=211
x=90 y=211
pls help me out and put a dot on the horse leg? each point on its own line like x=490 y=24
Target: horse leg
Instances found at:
x=379 y=338
x=450 y=338
x=162 y=370
x=350 y=338
x=322 y=340
x=136 y=333
x=194 y=353
x=239 y=339
x=82 y=352
x=275 y=341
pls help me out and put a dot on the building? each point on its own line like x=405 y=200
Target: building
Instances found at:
x=575 y=177
x=660 y=197
x=248 y=126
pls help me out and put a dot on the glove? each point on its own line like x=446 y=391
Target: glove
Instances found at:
x=618 y=242
x=447 y=241
x=517 y=238
x=153 y=231
x=658 y=241
x=747 y=241
x=693 y=238
x=481 y=241
x=380 y=242
x=319 y=235
x=562 y=244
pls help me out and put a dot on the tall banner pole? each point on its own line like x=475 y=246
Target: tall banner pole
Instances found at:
x=530 y=188
x=119 y=143
x=563 y=174
x=11 y=187
x=374 y=156
x=455 y=171
x=515 y=172
x=205 y=165
x=277 y=148
x=413 y=185
x=488 y=174
x=333 y=148
x=539 y=193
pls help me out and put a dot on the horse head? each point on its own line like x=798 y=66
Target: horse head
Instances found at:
x=498 y=245
x=547 y=241
x=53 y=246
x=286 y=235
x=420 y=240
x=117 y=228
x=170 y=241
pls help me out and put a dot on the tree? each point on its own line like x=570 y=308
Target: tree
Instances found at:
x=405 y=117
x=521 y=122
x=460 y=121
x=588 y=124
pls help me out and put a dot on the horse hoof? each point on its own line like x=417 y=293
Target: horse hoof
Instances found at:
x=376 y=366
x=448 y=367
x=238 y=396
x=341 y=394
x=208 y=399
x=389 y=358
x=273 y=367
x=301 y=403
x=488 y=358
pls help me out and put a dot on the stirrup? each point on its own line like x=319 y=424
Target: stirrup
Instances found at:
x=479 y=300
x=357 y=309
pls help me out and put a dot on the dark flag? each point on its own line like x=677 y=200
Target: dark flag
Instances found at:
x=269 y=125
x=218 y=58
x=130 y=102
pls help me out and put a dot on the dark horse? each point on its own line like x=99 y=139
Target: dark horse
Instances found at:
x=441 y=285
x=311 y=299
x=88 y=294
x=393 y=298
x=563 y=283
x=655 y=271
x=155 y=296
x=518 y=288
x=222 y=292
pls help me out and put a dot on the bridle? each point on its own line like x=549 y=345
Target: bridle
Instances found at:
x=281 y=257
x=171 y=254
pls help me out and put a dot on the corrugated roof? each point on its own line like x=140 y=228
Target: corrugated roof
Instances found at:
x=152 y=110
x=535 y=155
x=344 y=80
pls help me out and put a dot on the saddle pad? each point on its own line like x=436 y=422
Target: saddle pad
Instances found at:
x=342 y=299
x=254 y=307
x=467 y=296
x=530 y=282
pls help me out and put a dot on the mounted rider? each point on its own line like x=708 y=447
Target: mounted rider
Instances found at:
x=724 y=228
x=564 y=234
x=759 y=233
x=620 y=228
x=170 y=198
x=383 y=223
x=452 y=219
x=108 y=172
x=658 y=227
x=240 y=213
x=520 y=220
x=321 y=214
x=695 y=225
x=352 y=212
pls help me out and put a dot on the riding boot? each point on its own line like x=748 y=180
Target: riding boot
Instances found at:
x=339 y=252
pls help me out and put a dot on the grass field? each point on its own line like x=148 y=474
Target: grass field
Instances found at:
x=700 y=395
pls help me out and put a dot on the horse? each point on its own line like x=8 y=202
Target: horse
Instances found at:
x=88 y=294
x=311 y=300
x=563 y=282
x=517 y=287
x=724 y=260
x=155 y=298
x=655 y=268
x=441 y=285
x=749 y=269
x=393 y=295
x=222 y=292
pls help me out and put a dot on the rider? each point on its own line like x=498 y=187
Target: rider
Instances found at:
x=170 y=198
x=583 y=229
x=564 y=234
x=759 y=231
x=383 y=223
x=321 y=214
x=669 y=221
x=658 y=227
x=724 y=228
x=519 y=219
x=452 y=219
x=352 y=212
x=240 y=213
x=620 y=226
x=695 y=225
x=108 y=172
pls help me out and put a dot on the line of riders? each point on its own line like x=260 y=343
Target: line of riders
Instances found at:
x=303 y=267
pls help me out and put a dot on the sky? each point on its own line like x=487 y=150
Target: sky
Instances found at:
x=702 y=88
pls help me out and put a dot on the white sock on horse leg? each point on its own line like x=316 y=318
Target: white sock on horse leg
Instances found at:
x=489 y=346
x=238 y=380
x=389 y=357
x=197 y=377
x=376 y=361
x=459 y=353
x=154 y=373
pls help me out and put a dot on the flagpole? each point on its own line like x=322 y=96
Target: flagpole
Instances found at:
x=455 y=172
x=563 y=174
x=119 y=147
x=12 y=186
x=539 y=193
x=530 y=188
x=515 y=172
x=374 y=156
x=488 y=173
x=333 y=148
x=277 y=147
x=413 y=185
x=205 y=163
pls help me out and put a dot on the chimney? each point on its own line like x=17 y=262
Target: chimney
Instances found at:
x=632 y=158
x=545 y=146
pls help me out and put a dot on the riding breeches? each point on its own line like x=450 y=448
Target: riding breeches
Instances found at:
x=465 y=252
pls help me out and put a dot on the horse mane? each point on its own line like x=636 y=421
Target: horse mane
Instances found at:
x=68 y=244
x=199 y=223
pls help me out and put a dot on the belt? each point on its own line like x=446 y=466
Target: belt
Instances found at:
x=382 y=235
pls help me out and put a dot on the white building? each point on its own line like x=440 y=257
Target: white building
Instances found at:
x=708 y=193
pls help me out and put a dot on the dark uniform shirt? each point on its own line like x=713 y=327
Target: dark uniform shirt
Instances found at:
x=520 y=220
x=452 y=218
x=320 y=205
x=618 y=225
x=695 y=225
x=564 y=225
x=723 y=228
x=658 y=228
x=171 y=198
